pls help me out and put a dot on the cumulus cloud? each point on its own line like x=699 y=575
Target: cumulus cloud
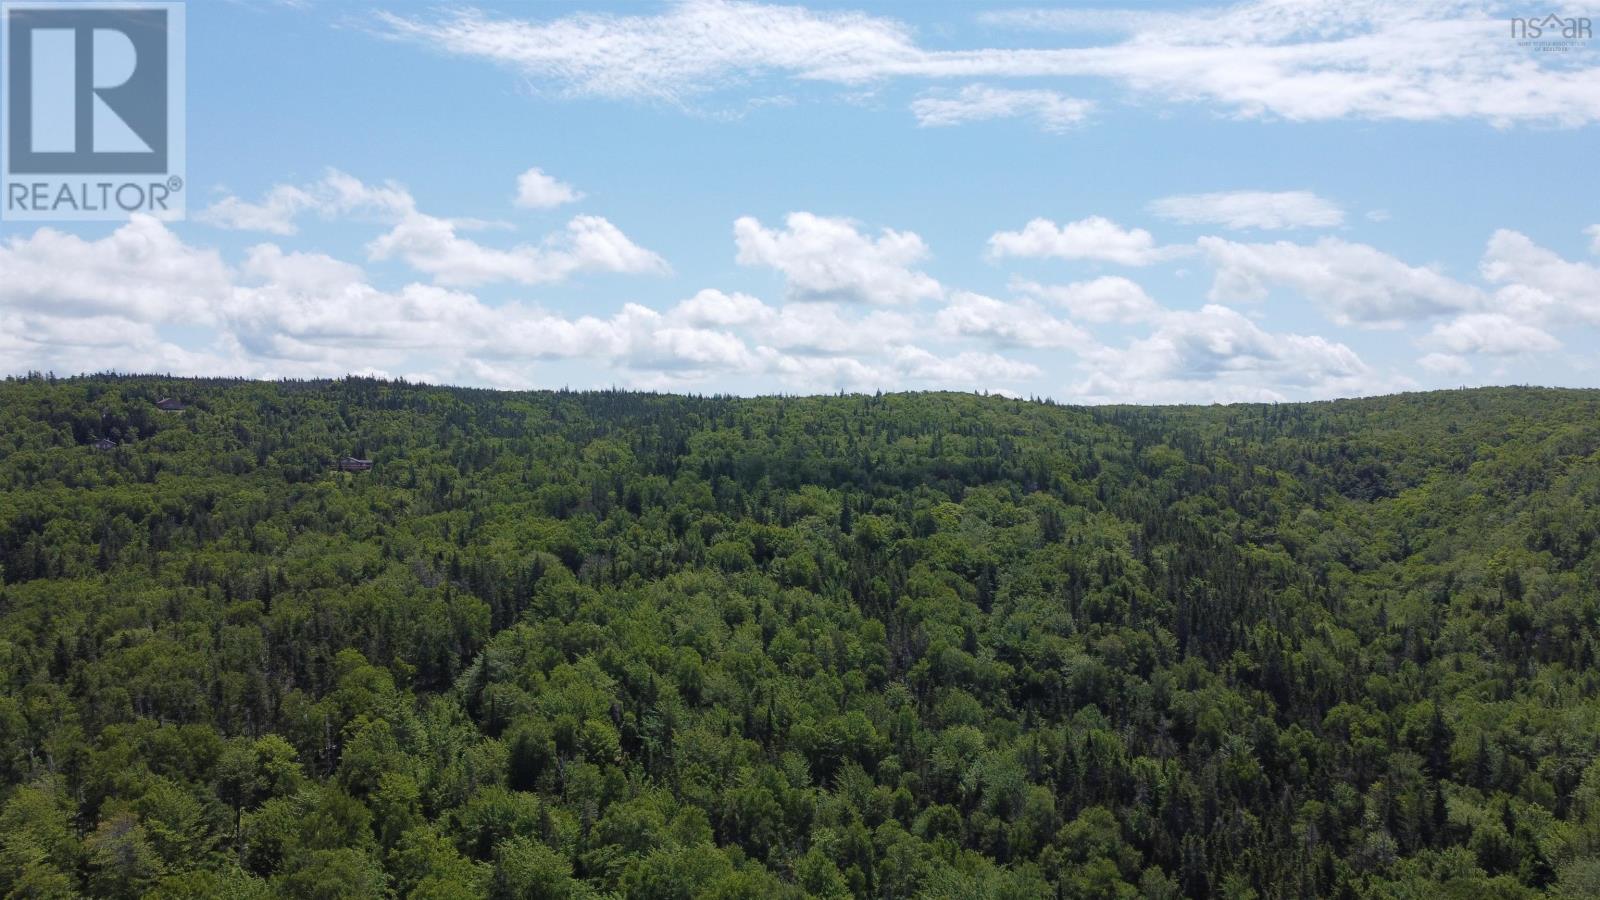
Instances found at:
x=1533 y=288
x=1217 y=354
x=907 y=365
x=831 y=259
x=1052 y=110
x=807 y=328
x=1537 y=283
x=1110 y=298
x=140 y=271
x=966 y=367
x=433 y=244
x=79 y=305
x=589 y=243
x=142 y=298
x=309 y=306
x=74 y=305
x=1445 y=364
x=1094 y=238
x=1492 y=333
x=1021 y=324
x=1268 y=210
x=713 y=307
x=536 y=190
x=299 y=307
x=1355 y=283
x=1304 y=60
x=826 y=328
x=64 y=344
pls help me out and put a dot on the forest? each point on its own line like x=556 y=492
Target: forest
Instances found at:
x=625 y=645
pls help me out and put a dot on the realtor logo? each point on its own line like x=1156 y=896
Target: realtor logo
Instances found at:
x=93 y=110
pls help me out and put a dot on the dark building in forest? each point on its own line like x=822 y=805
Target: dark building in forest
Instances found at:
x=352 y=464
x=104 y=444
x=168 y=404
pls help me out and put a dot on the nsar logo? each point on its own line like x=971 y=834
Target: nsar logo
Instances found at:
x=1553 y=32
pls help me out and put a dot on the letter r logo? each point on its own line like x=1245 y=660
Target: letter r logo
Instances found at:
x=87 y=90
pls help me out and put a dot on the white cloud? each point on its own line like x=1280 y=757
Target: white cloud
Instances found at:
x=829 y=259
x=120 y=302
x=713 y=307
x=651 y=343
x=1096 y=238
x=76 y=305
x=1295 y=59
x=1013 y=324
x=824 y=328
x=1217 y=339
x=432 y=244
x=1312 y=60
x=141 y=271
x=589 y=243
x=72 y=305
x=316 y=310
x=905 y=366
x=81 y=344
x=810 y=328
x=1355 y=283
x=335 y=194
x=308 y=306
x=1445 y=364
x=536 y=190
x=1097 y=19
x=275 y=213
x=690 y=48
x=1216 y=354
x=1492 y=333
x=1537 y=283
x=1271 y=210
x=1110 y=298
x=965 y=368
x=1053 y=110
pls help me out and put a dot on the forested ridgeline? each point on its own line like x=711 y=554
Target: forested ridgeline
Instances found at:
x=614 y=644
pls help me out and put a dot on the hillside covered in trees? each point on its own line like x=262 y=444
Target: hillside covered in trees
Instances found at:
x=569 y=645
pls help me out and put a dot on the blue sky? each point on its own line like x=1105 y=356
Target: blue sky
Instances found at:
x=1170 y=203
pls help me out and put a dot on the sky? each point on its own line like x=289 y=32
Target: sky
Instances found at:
x=1165 y=203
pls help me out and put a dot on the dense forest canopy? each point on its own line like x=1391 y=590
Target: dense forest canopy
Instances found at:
x=564 y=645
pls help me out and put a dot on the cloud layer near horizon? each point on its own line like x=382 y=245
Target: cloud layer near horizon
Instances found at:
x=857 y=310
